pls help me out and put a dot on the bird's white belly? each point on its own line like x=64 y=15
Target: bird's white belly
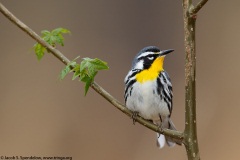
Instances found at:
x=145 y=100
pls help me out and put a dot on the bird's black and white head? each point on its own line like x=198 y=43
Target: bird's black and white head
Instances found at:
x=146 y=57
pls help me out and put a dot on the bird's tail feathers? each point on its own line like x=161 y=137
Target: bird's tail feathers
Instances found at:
x=161 y=139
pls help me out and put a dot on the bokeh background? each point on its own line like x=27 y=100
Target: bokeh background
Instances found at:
x=42 y=116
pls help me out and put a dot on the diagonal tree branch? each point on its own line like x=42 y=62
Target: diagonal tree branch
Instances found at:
x=177 y=136
x=197 y=8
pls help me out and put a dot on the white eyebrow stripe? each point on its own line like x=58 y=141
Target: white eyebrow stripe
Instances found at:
x=145 y=54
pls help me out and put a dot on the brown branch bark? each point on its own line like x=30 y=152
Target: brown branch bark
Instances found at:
x=190 y=132
x=198 y=7
x=175 y=135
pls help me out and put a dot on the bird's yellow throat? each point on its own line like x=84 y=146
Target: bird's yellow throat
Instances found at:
x=152 y=72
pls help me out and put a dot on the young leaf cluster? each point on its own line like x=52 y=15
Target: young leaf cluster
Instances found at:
x=53 y=38
x=85 y=71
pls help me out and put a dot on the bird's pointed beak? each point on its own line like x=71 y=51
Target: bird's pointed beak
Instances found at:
x=165 y=52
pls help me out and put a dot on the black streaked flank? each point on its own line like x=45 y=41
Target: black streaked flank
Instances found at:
x=134 y=72
x=166 y=96
x=130 y=93
x=159 y=89
x=164 y=79
x=129 y=85
x=125 y=97
x=170 y=88
x=168 y=105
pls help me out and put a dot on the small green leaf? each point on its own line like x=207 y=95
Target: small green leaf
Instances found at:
x=59 y=39
x=84 y=76
x=64 y=72
x=87 y=85
x=47 y=38
x=89 y=69
x=96 y=63
x=86 y=70
x=60 y=31
x=39 y=50
x=87 y=80
x=70 y=67
x=72 y=64
x=76 y=75
x=45 y=32
x=76 y=71
x=93 y=65
x=54 y=37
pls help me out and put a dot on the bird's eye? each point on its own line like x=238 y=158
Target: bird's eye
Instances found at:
x=150 y=58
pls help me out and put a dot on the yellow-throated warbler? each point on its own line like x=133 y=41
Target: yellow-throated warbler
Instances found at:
x=148 y=90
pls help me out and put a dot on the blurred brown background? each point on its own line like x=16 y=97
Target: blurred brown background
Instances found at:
x=42 y=116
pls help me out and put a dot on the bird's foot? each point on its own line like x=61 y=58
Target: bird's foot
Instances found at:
x=160 y=127
x=134 y=116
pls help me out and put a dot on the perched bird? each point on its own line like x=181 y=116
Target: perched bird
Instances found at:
x=148 y=90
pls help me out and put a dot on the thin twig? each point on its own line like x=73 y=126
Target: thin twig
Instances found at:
x=175 y=135
x=195 y=9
